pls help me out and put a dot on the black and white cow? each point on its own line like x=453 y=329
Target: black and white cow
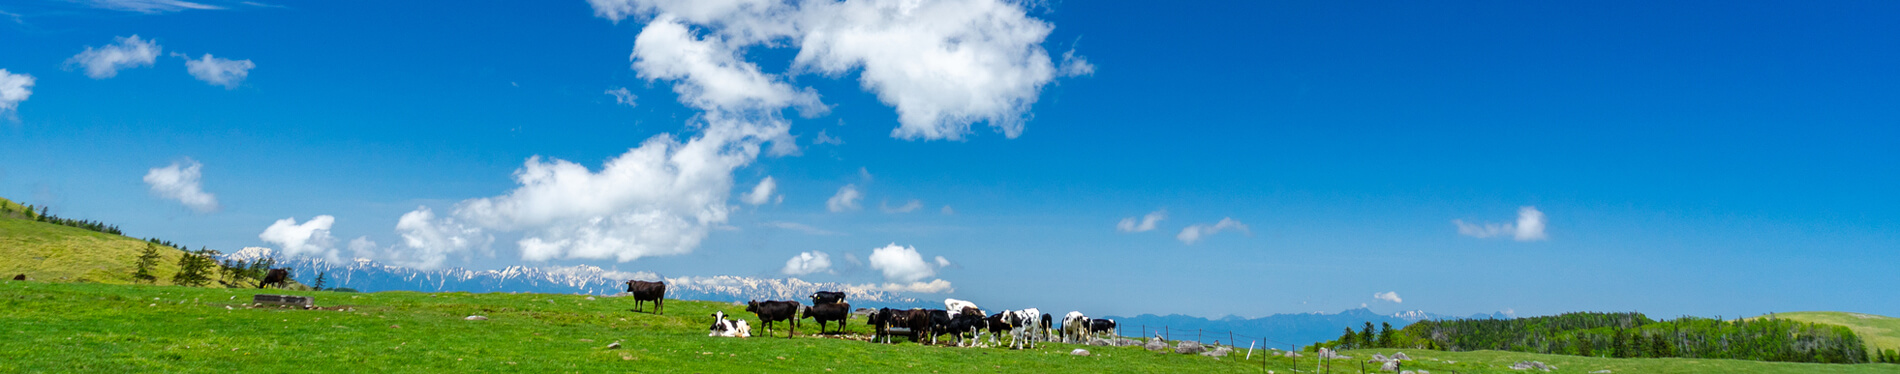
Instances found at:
x=1101 y=326
x=826 y=297
x=1075 y=327
x=1023 y=325
x=731 y=328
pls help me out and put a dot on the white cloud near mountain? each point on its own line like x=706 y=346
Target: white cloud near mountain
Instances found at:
x=1388 y=296
x=1196 y=232
x=902 y=264
x=807 y=263
x=14 y=88
x=219 y=72
x=1529 y=227
x=124 y=53
x=1145 y=223
x=181 y=181
x=846 y=199
x=763 y=193
x=311 y=238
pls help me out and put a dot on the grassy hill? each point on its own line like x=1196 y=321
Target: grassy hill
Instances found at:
x=46 y=251
x=1879 y=332
x=91 y=327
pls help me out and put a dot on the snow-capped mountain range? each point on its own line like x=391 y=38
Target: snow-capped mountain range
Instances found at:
x=369 y=276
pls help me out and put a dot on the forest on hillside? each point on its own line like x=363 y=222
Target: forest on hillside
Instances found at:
x=1626 y=335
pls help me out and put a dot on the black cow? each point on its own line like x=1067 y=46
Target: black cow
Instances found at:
x=648 y=291
x=969 y=323
x=823 y=313
x=826 y=297
x=880 y=324
x=1047 y=326
x=917 y=320
x=939 y=324
x=1101 y=325
x=276 y=277
x=998 y=325
x=774 y=311
x=20 y=277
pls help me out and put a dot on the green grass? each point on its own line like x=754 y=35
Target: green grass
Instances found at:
x=90 y=327
x=1880 y=332
x=45 y=251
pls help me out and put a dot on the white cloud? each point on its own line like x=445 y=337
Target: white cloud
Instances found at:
x=944 y=64
x=180 y=181
x=800 y=227
x=807 y=263
x=865 y=173
x=150 y=6
x=762 y=193
x=362 y=247
x=949 y=212
x=14 y=88
x=823 y=138
x=622 y=96
x=1529 y=227
x=846 y=199
x=312 y=238
x=901 y=264
x=942 y=262
x=218 y=71
x=1388 y=296
x=1194 y=233
x=125 y=52
x=427 y=241
x=908 y=207
x=1147 y=222
x=933 y=286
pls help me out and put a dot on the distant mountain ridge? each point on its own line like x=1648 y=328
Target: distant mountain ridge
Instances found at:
x=370 y=276
x=1277 y=330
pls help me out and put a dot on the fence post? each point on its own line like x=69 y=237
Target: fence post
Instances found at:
x=1197 y=336
x=1166 y=334
x=1230 y=339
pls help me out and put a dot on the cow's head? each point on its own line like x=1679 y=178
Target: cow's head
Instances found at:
x=752 y=306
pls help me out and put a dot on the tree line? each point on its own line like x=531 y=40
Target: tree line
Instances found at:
x=43 y=216
x=1629 y=335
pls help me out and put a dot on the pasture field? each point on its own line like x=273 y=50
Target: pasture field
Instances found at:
x=45 y=251
x=92 y=327
x=1880 y=332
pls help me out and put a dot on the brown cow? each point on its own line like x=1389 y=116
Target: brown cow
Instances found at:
x=276 y=277
x=648 y=291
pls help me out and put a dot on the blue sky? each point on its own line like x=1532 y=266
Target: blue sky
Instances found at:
x=1694 y=158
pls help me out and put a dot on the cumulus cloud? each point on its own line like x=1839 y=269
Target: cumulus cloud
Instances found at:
x=312 y=238
x=901 y=264
x=942 y=262
x=807 y=263
x=428 y=241
x=712 y=74
x=1147 y=222
x=124 y=53
x=933 y=286
x=14 y=88
x=622 y=96
x=218 y=71
x=846 y=199
x=1529 y=227
x=150 y=6
x=362 y=247
x=1388 y=296
x=908 y=207
x=943 y=64
x=763 y=193
x=180 y=181
x=1194 y=233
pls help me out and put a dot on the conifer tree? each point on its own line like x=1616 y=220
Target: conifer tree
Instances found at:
x=319 y=284
x=1365 y=336
x=1385 y=335
x=147 y=259
x=1346 y=340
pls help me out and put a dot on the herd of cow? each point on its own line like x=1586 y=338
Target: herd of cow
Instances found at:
x=962 y=320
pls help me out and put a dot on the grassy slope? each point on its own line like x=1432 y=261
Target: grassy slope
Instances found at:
x=81 y=327
x=47 y=251
x=1878 y=331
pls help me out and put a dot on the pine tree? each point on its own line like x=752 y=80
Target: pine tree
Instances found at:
x=1659 y=347
x=1584 y=347
x=1365 y=336
x=319 y=284
x=42 y=217
x=192 y=268
x=147 y=259
x=1346 y=340
x=1385 y=335
x=1619 y=345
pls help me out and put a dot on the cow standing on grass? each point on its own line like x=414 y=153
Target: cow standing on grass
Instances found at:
x=276 y=277
x=774 y=311
x=644 y=291
x=1101 y=325
x=1075 y=327
x=839 y=311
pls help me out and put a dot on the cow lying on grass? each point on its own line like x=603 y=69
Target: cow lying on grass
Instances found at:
x=731 y=328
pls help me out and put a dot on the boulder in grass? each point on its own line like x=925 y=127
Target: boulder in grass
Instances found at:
x=1079 y=352
x=1401 y=356
x=1378 y=357
x=1392 y=365
x=1187 y=347
x=1604 y=371
x=1156 y=345
x=1218 y=352
x=475 y=318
